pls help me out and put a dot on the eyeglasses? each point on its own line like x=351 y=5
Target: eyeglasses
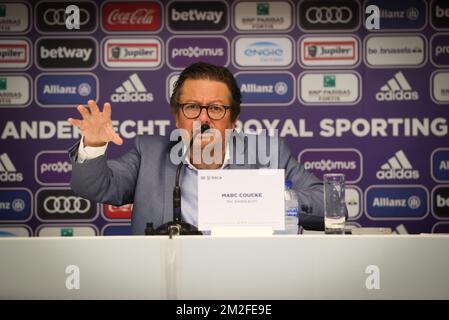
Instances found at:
x=192 y=110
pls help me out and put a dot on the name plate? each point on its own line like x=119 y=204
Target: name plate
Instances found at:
x=241 y=198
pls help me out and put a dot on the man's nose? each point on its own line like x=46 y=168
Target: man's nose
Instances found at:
x=204 y=117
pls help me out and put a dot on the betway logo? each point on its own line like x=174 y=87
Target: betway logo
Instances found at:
x=397 y=89
x=64 y=52
x=132 y=90
x=441 y=201
x=8 y=172
x=196 y=15
x=397 y=167
x=441 y=12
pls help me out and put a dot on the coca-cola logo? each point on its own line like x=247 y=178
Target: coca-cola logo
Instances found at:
x=131 y=16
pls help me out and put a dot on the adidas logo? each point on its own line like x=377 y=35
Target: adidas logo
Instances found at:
x=8 y=172
x=132 y=90
x=397 y=89
x=397 y=167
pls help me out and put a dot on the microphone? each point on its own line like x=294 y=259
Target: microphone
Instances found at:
x=177 y=226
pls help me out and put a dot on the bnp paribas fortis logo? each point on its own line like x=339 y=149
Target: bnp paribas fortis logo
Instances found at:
x=329 y=81
x=263 y=9
x=3 y=84
x=2 y=10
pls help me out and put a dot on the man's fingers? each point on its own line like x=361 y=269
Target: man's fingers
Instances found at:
x=74 y=122
x=113 y=136
x=83 y=111
x=93 y=107
x=117 y=140
x=107 y=109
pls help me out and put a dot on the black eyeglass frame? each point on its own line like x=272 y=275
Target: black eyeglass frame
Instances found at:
x=207 y=106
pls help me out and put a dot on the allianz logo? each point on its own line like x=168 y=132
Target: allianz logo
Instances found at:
x=83 y=89
x=397 y=89
x=441 y=201
x=59 y=167
x=444 y=165
x=413 y=202
x=264 y=49
x=8 y=172
x=397 y=167
x=17 y=205
x=279 y=88
x=64 y=52
x=196 y=52
x=330 y=165
x=197 y=15
x=132 y=90
x=410 y=14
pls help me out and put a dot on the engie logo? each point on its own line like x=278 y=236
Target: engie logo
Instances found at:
x=52 y=168
x=397 y=167
x=139 y=53
x=8 y=171
x=14 y=54
x=265 y=89
x=322 y=161
x=397 y=89
x=401 y=15
x=183 y=51
x=440 y=202
x=440 y=165
x=329 y=51
x=14 y=17
x=111 y=212
x=64 y=53
x=396 y=202
x=131 y=16
x=62 y=204
x=51 y=16
x=395 y=51
x=263 y=52
x=65 y=90
x=329 y=15
x=132 y=90
x=440 y=14
x=15 y=91
x=15 y=204
x=204 y=16
x=67 y=231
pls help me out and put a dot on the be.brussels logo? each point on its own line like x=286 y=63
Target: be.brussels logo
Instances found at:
x=397 y=88
x=132 y=53
x=265 y=88
x=440 y=165
x=439 y=49
x=15 y=204
x=116 y=230
x=66 y=90
x=15 y=91
x=271 y=16
x=182 y=51
x=15 y=231
x=396 y=202
x=322 y=161
x=439 y=87
x=64 y=53
x=353 y=200
x=8 y=171
x=67 y=230
x=391 y=51
x=440 y=202
x=52 y=168
x=401 y=15
x=14 y=53
x=329 y=88
x=275 y=52
x=329 y=51
x=14 y=17
x=111 y=212
x=201 y=16
x=132 y=90
x=52 y=16
x=61 y=204
x=398 y=167
x=440 y=14
x=131 y=16
x=326 y=15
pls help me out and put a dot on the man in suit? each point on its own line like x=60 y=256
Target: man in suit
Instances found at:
x=205 y=95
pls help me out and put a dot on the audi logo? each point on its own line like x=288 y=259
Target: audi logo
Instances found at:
x=332 y=15
x=57 y=17
x=70 y=204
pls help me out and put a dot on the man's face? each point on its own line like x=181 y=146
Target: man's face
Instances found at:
x=205 y=92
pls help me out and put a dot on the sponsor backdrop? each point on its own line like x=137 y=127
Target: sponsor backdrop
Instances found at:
x=372 y=104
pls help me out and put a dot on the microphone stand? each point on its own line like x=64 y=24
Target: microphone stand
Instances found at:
x=177 y=226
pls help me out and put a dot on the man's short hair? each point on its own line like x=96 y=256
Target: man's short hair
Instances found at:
x=202 y=70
